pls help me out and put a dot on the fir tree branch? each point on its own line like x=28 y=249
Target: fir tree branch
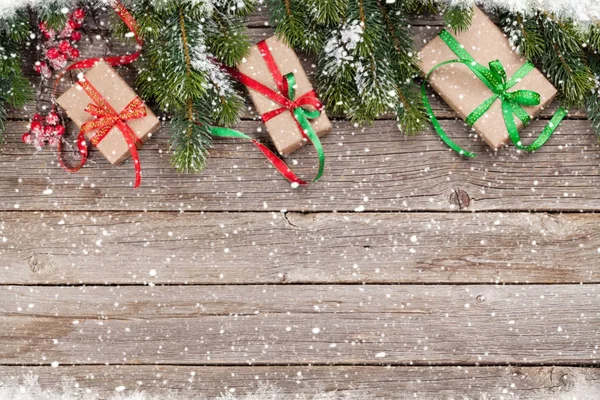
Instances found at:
x=186 y=48
x=15 y=89
x=458 y=17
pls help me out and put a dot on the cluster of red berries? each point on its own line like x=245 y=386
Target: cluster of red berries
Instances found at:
x=58 y=48
x=46 y=131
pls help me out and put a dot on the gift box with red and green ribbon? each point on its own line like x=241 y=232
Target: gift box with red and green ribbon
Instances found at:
x=491 y=87
x=280 y=89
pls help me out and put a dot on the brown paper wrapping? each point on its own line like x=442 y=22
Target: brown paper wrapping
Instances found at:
x=118 y=93
x=283 y=129
x=463 y=91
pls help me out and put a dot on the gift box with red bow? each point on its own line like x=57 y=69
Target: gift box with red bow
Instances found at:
x=109 y=113
x=279 y=87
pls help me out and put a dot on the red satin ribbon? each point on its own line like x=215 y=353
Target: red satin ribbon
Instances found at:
x=281 y=98
x=107 y=117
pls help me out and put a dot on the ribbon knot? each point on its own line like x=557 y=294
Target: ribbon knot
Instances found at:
x=107 y=118
x=496 y=79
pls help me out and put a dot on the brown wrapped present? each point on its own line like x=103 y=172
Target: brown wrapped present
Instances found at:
x=283 y=129
x=109 y=84
x=464 y=91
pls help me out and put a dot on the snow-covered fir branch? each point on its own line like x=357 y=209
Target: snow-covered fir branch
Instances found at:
x=583 y=11
x=340 y=47
x=204 y=62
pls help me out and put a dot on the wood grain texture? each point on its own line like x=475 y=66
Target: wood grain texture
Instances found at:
x=221 y=248
x=373 y=168
x=301 y=325
x=439 y=383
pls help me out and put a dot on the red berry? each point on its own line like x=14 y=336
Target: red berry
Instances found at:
x=37 y=117
x=52 y=53
x=36 y=127
x=38 y=67
x=48 y=131
x=76 y=36
x=59 y=130
x=60 y=62
x=50 y=34
x=46 y=73
x=26 y=138
x=52 y=118
x=53 y=141
x=72 y=24
x=64 y=46
x=79 y=14
x=74 y=53
x=66 y=32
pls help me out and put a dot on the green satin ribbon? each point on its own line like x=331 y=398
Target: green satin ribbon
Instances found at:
x=496 y=80
x=302 y=116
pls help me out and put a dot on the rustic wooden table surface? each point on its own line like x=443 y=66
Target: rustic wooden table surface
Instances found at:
x=407 y=272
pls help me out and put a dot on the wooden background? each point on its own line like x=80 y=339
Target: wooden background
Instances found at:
x=407 y=272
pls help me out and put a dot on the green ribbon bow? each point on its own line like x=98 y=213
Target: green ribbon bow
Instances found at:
x=302 y=116
x=497 y=81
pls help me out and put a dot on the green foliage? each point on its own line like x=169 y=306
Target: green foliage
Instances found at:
x=15 y=29
x=566 y=52
x=557 y=46
x=593 y=101
x=293 y=23
x=458 y=18
x=411 y=113
x=594 y=38
x=418 y=6
x=52 y=13
x=327 y=12
x=189 y=143
x=179 y=68
x=227 y=38
x=15 y=90
x=524 y=34
x=593 y=109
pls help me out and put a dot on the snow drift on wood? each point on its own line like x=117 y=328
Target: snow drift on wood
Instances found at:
x=28 y=388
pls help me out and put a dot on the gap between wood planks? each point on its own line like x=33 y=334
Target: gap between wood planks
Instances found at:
x=312 y=364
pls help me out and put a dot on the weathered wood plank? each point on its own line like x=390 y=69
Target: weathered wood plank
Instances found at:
x=374 y=168
x=221 y=248
x=382 y=382
x=300 y=325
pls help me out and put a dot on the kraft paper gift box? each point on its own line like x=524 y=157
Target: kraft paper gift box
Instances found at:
x=463 y=91
x=283 y=129
x=118 y=94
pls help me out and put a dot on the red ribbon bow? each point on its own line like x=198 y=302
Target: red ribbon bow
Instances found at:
x=105 y=119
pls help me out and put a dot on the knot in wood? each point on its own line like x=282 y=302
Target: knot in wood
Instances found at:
x=38 y=266
x=460 y=198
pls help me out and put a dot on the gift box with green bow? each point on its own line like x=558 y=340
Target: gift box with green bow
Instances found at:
x=492 y=88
